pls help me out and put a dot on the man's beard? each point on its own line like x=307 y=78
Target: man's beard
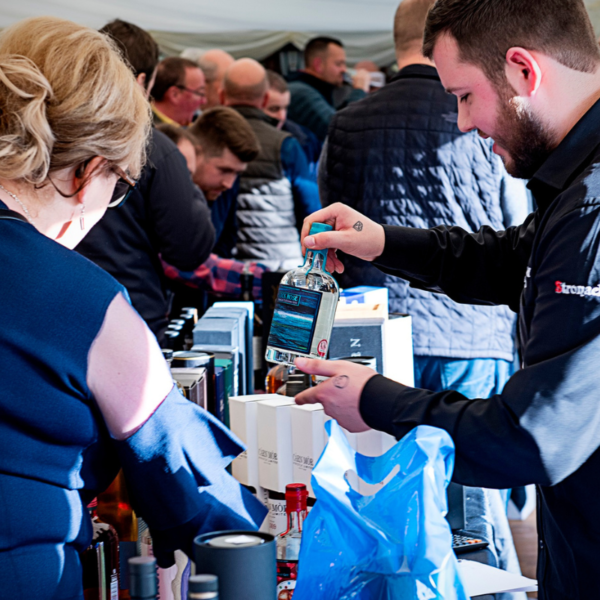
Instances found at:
x=525 y=138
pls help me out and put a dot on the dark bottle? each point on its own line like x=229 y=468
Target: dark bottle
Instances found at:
x=288 y=542
x=203 y=587
x=100 y=562
x=246 y=282
x=115 y=508
x=143 y=584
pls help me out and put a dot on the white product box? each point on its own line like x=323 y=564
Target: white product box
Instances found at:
x=398 y=350
x=308 y=440
x=242 y=421
x=275 y=442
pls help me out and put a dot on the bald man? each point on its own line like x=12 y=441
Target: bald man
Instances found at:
x=276 y=190
x=214 y=63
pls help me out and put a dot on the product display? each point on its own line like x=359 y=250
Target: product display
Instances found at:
x=304 y=310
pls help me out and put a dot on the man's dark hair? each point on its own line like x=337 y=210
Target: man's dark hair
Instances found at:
x=277 y=82
x=318 y=47
x=170 y=72
x=486 y=29
x=138 y=47
x=176 y=133
x=221 y=127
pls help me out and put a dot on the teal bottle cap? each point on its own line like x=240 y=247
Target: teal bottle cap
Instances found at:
x=319 y=228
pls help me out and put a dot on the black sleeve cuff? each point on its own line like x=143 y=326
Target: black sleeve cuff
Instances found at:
x=378 y=403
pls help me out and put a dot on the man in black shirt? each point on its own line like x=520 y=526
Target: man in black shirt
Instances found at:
x=164 y=216
x=533 y=85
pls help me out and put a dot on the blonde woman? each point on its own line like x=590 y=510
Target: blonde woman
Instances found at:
x=83 y=386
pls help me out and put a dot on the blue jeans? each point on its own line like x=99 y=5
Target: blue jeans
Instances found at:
x=485 y=510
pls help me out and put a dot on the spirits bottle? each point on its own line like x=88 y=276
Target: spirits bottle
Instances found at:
x=304 y=310
x=142 y=577
x=115 y=508
x=288 y=542
x=100 y=562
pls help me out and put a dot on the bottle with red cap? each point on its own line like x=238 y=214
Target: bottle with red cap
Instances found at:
x=288 y=542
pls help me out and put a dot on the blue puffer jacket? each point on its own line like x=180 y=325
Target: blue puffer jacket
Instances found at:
x=399 y=158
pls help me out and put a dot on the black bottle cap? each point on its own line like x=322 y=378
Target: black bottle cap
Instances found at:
x=142 y=578
x=199 y=584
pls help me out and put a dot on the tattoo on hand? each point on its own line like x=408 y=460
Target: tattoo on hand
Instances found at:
x=341 y=381
x=358 y=226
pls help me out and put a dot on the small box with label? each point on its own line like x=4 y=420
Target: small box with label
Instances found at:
x=274 y=442
x=242 y=419
x=308 y=440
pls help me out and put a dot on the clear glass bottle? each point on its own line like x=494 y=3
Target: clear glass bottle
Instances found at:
x=288 y=542
x=304 y=310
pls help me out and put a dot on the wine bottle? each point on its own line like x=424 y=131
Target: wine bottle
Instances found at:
x=100 y=562
x=288 y=542
x=304 y=310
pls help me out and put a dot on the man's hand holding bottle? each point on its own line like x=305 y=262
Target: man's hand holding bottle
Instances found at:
x=352 y=233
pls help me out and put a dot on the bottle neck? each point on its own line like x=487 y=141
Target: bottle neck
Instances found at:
x=315 y=260
x=296 y=521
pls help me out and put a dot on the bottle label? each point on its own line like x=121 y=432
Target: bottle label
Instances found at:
x=277 y=517
x=114 y=587
x=302 y=320
x=287 y=573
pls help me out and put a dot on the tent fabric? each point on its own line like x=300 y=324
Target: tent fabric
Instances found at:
x=377 y=46
x=245 y=28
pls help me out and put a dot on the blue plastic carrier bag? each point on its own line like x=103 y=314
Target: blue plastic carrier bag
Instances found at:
x=395 y=544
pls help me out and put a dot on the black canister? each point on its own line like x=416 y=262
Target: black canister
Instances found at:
x=143 y=583
x=244 y=562
x=203 y=587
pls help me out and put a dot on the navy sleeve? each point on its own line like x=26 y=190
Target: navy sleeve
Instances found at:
x=175 y=472
x=546 y=422
x=223 y=213
x=295 y=168
x=180 y=217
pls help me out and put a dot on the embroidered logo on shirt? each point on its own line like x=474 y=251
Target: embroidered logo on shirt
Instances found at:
x=577 y=290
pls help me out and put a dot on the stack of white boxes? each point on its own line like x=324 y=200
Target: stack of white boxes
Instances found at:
x=284 y=441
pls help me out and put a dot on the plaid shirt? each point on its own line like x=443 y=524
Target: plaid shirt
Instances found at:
x=219 y=276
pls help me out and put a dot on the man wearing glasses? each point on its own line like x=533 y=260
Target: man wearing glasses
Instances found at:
x=179 y=91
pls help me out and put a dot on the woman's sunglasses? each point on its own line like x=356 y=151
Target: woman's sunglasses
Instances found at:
x=123 y=188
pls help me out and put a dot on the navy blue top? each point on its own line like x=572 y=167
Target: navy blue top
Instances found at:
x=55 y=451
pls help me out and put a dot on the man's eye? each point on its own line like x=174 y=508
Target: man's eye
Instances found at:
x=464 y=98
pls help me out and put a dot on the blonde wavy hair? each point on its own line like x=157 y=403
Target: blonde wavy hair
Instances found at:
x=66 y=95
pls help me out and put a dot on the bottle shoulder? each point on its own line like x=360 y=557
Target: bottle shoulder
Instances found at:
x=311 y=279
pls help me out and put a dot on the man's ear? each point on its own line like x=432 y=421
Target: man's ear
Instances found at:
x=523 y=72
x=222 y=96
x=265 y=101
x=318 y=64
x=172 y=95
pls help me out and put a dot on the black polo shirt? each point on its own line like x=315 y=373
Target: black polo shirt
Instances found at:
x=545 y=426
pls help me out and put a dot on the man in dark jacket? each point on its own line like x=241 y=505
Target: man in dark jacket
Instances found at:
x=527 y=74
x=312 y=89
x=276 y=190
x=164 y=216
x=398 y=157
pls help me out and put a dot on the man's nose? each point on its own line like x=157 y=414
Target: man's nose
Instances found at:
x=464 y=119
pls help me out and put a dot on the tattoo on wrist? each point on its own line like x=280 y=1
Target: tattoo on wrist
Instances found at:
x=341 y=381
x=358 y=226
